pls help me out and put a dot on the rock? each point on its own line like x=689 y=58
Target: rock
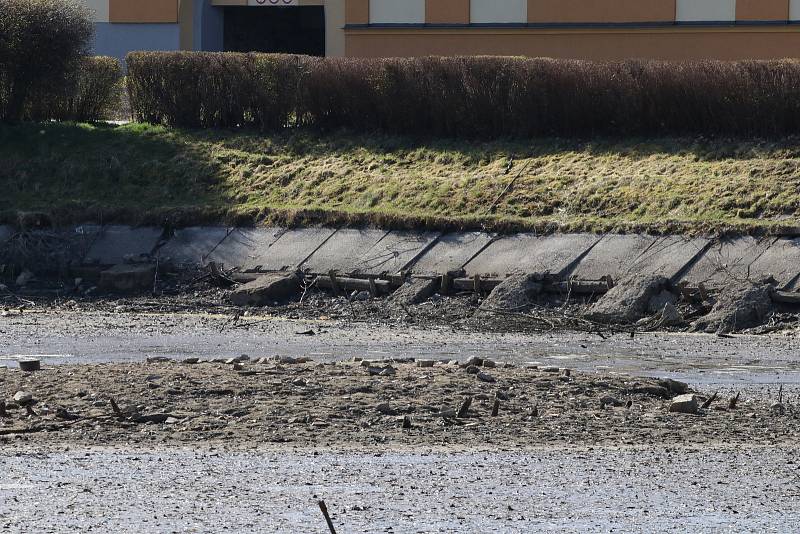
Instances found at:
x=738 y=306
x=426 y=363
x=473 y=362
x=628 y=301
x=385 y=409
x=30 y=366
x=610 y=401
x=406 y=421
x=381 y=371
x=191 y=361
x=23 y=397
x=24 y=278
x=127 y=278
x=551 y=369
x=684 y=404
x=670 y=316
x=299 y=382
x=657 y=302
x=266 y=290
x=414 y=291
x=489 y=364
x=360 y=296
x=486 y=377
x=674 y=386
x=156 y=418
x=473 y=370
x=515 y=293
x=777 y=409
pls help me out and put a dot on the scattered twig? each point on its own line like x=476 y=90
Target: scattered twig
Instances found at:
x=707 y=404
x=733 y=401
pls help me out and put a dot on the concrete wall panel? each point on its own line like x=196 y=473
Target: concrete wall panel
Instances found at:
x=705 y=10
x=727 y=261
x=397 y=12
x=116 y=242
x=762 y=10
x=529 y=253
x=614 y=256
x=343 y=252
x=143 y=11
x=600 y=11
x=682 y=43
x=192 y=247
x=290 y=250
x=118 y=39
x=396 y=252
x=499 y=11
x=452 y=252
x=447 y=11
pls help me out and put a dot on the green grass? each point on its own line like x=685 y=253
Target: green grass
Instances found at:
x=138 y=173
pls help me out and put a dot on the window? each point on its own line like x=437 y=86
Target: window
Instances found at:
x=499 y=11
x=397 y=11
x=706 y=10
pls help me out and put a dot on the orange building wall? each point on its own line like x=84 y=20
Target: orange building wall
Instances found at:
x=601 y=11
x=744 y=42
x=143 y=11
x=762 y=9
x=357 y=12
x=447 y=12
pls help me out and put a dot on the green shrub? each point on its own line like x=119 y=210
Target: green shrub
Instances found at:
x=41 y=41
x=91 y=91
x=466 y=97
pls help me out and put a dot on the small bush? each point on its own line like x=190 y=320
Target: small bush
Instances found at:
x=466 y=97
x=41 y=41
x=91 y=91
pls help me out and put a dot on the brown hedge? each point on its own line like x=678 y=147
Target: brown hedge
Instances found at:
x=91 y=91
x=466 y=96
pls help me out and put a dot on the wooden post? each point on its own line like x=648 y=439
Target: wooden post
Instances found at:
x=327 y=517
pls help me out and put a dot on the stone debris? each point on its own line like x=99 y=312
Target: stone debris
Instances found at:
x=336 y=404
x=738 y=306
x=670 y=316
x=516 y=293
x=684 y=404
x=629 y=300
x=23 y=397
x=426 y=363
x=267 y=290
x=485 y=377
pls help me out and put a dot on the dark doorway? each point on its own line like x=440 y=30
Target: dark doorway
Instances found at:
x=290 y=30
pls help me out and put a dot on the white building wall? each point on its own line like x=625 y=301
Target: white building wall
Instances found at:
x=498 y=11
x=100 y=9
x=397 y=11
x=706 y=10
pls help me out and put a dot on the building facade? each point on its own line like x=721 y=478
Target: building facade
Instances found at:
x=591 y=29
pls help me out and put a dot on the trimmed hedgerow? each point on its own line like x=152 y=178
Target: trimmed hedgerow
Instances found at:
x=41 y=42
x=461 y=97
x=91 y=91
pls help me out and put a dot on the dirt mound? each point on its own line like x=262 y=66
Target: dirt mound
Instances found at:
x=738 y=306
x=515 y=293
x=630 y=300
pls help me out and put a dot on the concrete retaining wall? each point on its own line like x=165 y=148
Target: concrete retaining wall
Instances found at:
x=373 y=252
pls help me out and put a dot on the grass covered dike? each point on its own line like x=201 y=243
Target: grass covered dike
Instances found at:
x=139 y=173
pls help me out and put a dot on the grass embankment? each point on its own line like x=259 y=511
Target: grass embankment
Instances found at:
x=139 y=173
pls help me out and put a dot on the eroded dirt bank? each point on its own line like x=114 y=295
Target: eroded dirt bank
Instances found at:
x=364 y=404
